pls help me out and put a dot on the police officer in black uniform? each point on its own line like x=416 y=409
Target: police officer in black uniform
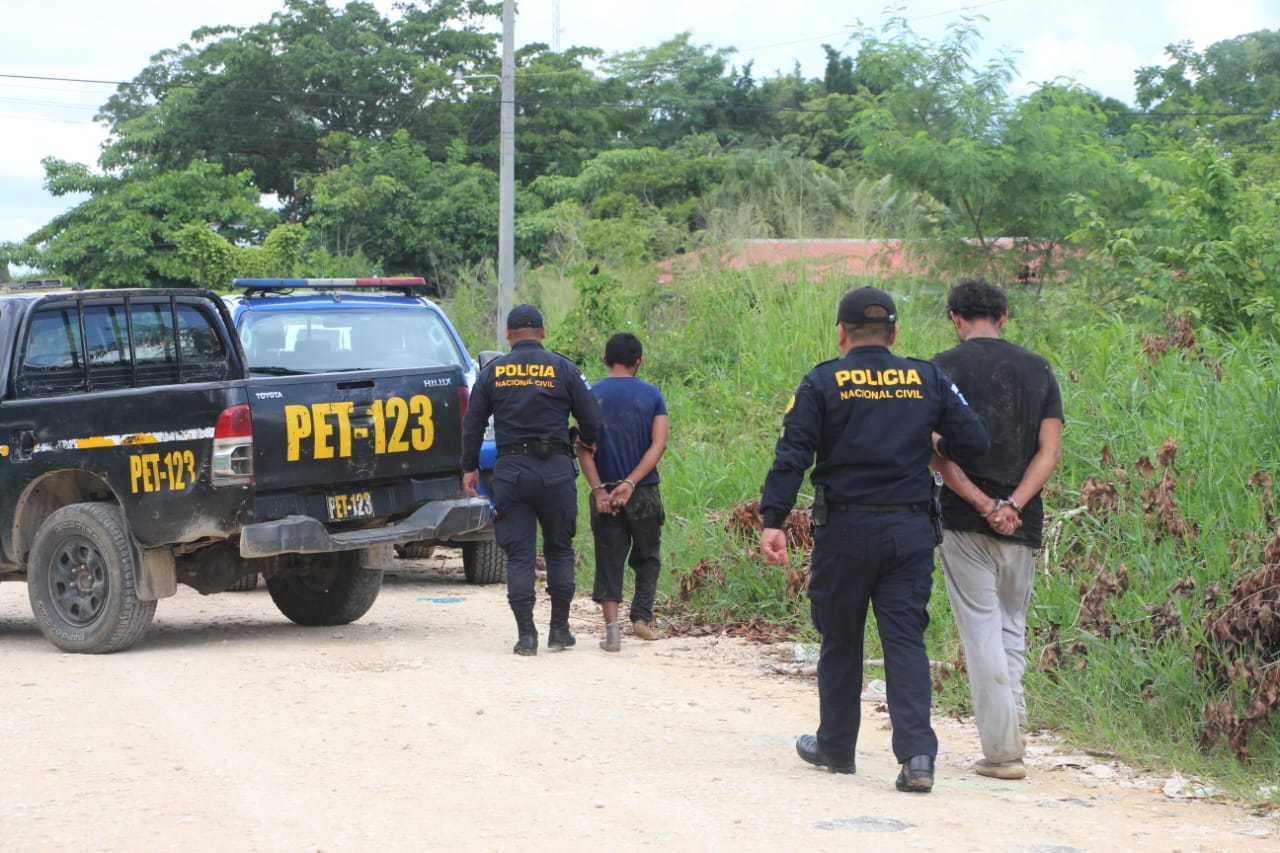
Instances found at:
x=868 y=417
x=531 y=393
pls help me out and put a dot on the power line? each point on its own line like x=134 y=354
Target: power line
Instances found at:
x=553 y=102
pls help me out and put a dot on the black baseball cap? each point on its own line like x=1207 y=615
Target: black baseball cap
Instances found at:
x=524 y=317
x=854 y=305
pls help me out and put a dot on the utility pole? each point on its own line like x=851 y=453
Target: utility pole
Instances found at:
x=507 y=173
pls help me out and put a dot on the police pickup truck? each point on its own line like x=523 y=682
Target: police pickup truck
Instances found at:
x=293 y=326
x=137 y=454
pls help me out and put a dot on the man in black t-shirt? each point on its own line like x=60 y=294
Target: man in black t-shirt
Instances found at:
x=992 y=514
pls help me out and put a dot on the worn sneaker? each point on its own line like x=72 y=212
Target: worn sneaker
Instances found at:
x=644 y=630
x=612 y=641
x=1014 y=769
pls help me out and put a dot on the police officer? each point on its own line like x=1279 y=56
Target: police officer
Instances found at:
x=868 y=417
x=531 y=393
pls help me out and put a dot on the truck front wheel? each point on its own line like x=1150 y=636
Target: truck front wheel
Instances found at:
x=336 y=592
x=483 y=562
x=83 y=582
x=415 y=550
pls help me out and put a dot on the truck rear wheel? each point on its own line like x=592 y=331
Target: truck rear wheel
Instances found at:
x=483 y=562
x=83 y=582
x=336 y=592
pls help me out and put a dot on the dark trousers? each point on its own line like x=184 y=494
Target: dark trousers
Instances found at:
x=885 y=561
x=634 y=533
x=529 y=492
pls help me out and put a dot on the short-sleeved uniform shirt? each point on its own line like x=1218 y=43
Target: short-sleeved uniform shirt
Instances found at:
x=628 y=407
x=1014 y=389
x=869 y=418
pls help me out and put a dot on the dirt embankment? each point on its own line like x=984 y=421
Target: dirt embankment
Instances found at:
x=230 y=729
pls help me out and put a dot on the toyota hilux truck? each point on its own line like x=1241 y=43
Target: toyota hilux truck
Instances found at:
x=292 y=326
x=136 y=454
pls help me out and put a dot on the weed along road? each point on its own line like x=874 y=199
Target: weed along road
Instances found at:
x=229 y=728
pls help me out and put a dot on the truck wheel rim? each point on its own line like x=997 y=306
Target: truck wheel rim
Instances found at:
x=78 y=582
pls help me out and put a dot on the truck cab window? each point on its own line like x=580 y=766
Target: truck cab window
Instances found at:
x=53 y=362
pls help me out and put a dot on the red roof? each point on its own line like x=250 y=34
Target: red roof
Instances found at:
x=845 y=257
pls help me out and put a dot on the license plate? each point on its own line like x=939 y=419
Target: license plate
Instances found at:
x=349 y=506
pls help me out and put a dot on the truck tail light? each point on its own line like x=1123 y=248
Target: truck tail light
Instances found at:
x=232 y=463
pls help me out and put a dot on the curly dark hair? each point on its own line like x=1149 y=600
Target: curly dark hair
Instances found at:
x=973 y=298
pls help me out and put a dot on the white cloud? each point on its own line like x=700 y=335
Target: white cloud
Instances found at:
x=1204 y=22
x=32 y=138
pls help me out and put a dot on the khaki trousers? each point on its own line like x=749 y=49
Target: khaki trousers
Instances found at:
x=989 y=584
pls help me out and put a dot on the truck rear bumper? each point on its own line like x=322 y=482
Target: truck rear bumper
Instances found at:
x=302 y=534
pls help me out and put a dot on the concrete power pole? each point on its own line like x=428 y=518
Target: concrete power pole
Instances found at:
x=507 y=173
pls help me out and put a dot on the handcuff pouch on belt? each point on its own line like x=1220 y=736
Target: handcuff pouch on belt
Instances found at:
x=935 y=508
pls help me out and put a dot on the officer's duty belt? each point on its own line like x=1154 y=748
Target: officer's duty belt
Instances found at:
x=542 y=449
x=920 y=507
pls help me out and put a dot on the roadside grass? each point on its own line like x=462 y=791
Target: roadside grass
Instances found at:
x=1164 y=496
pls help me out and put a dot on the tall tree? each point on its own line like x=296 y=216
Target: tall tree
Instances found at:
x=934 y=120
x=1231 y=93
x=262 y=97
x=124 y=235
x=1003 y=167
x=387 y=200
x=565 y=114
x=676 y=89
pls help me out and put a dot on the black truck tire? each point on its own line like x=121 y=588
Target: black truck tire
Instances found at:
x=483 y=562
x=415 y=550
x=337 y=592
x=83 y=582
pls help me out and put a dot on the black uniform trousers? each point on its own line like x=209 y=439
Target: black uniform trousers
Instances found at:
x=529 y=492
x=882 y=560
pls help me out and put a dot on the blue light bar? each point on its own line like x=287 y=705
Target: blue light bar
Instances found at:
x=277 y=283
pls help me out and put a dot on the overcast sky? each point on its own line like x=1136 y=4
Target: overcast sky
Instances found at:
x=1099 y=43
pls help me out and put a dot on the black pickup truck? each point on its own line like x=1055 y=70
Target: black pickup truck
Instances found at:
x=135 y=454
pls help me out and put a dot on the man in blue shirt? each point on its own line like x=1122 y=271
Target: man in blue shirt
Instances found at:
x=626 y=507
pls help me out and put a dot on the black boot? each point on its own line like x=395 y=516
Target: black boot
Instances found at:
x=559 y=638
x=527 y=644
x=916 y=776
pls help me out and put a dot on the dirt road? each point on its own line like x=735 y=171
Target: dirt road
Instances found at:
x=230 y=729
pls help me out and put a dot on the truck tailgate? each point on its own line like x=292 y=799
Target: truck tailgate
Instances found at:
x=335 y=432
